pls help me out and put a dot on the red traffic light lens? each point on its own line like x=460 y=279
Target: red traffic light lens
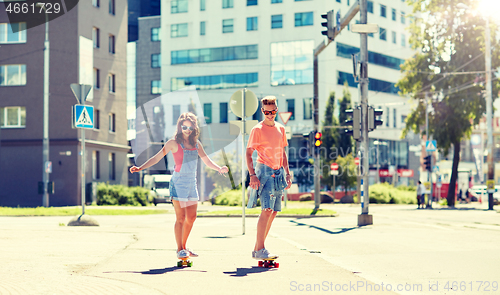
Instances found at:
x=317 y=135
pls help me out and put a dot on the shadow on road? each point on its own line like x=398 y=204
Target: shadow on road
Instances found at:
x=218 y=237
x=243 y=272
x=159 y=271
x=340 y=231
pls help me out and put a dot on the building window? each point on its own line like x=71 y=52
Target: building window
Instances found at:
x=111 y=160
x=403 y=18
x=373 y=84
x=95 y=3
x=308 y=103
x=179 y=6
x=291 y=107
x=111 y=82
x=387 y=116
x=369 y=5
x=276 y=21
x=112 y=7
x=178 y=30
x=97 y=75
x=96 y=119
x=394 y=37
x=216 y=81
x=12 y=33
x=214 y=54
x=395 y=122
x=202 y=5
x=292 y=62
x=95 y=165
x=251 y=2
x=276 y=1
x=223 y=112
x=156 y=87
x=111 y=119
x=155 y=34
x=227 y=4
x=346 y=51
x=382 y=33
x=13 y=117
x=95 y=37
x=13 y=75
x=156 y=60
x=176 y=113
x=227 y=25
x=303 y=19
x=207 y=112
x=403 y=40
x=111 y=44
x=394 y=14
x=202 y=28
x=252 y=24
x=383 y=12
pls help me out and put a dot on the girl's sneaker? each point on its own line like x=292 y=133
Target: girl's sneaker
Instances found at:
x=264 y=254
x=191 y=253
x=182 y=254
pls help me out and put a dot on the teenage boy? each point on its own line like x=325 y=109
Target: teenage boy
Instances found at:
x=271 y=174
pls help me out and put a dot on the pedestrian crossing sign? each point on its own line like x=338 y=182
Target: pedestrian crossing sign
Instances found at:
x=430 y=145
x=83 y=116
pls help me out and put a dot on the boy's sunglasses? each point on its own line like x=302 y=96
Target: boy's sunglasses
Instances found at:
x=273 y=112
x=184 y=127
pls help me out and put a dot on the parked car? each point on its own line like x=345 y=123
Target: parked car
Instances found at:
x=479 y=191
x=159 y=185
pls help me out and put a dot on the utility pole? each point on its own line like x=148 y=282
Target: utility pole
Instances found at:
x=364 y=218
x=46 y=65
x=489 y=115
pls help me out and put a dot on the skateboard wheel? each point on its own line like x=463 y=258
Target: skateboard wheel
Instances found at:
x=190 y=263
x=179 y=264
x=266 y=264
x=261 y=263
x=277 y=265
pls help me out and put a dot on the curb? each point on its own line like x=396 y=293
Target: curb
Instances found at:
x=277 y=216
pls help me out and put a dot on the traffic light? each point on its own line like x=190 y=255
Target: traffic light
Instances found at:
x=317 y=139
x=329 y=25
x=373 y=122
x=308 y=137
x=428 y=163
x=354 y=122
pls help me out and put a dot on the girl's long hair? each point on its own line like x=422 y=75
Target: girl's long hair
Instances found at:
x=193 y=137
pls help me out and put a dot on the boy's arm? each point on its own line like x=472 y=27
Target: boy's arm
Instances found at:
x=287 y=170
x=249 y=154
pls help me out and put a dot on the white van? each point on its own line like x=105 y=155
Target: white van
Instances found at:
x=160 y=188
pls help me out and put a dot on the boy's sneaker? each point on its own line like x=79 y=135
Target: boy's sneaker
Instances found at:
x=253 y=254
x=191 y=253
x=182 y=254
x=264 y=254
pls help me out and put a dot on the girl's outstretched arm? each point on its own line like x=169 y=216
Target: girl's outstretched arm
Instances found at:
x=169 y=146
x=209 y=162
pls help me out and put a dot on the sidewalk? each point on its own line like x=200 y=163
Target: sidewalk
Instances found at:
x=136 y=255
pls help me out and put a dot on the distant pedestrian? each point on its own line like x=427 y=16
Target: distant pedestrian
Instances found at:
x=271 y=174
x=185 y=148
x=420 y=195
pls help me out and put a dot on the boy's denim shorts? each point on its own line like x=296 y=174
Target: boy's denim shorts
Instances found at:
x=267 y=199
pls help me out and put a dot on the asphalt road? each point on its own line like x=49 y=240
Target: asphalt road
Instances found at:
x=405 y=251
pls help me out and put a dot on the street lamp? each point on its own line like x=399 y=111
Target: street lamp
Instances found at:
x=489 y=104
x=45 y=109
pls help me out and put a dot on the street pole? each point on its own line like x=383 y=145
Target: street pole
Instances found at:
x=364 y=218
x=82 y=95
x=378 y=160
x=489 y=112
x=45 y=152
x=243 y=156
x=317 y=197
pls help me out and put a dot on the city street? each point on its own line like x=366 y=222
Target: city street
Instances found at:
x=406 y=250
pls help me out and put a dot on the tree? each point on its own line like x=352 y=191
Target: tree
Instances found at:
x=347 y=172
x=330 y=138
x=450 y=52
x=345 y=141
x=220 y=182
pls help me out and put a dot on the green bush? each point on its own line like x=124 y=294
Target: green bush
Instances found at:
x=385 y=193
x=231 y=198
x=121 y=195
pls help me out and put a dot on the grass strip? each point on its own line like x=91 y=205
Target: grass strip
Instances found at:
x=72 y=211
